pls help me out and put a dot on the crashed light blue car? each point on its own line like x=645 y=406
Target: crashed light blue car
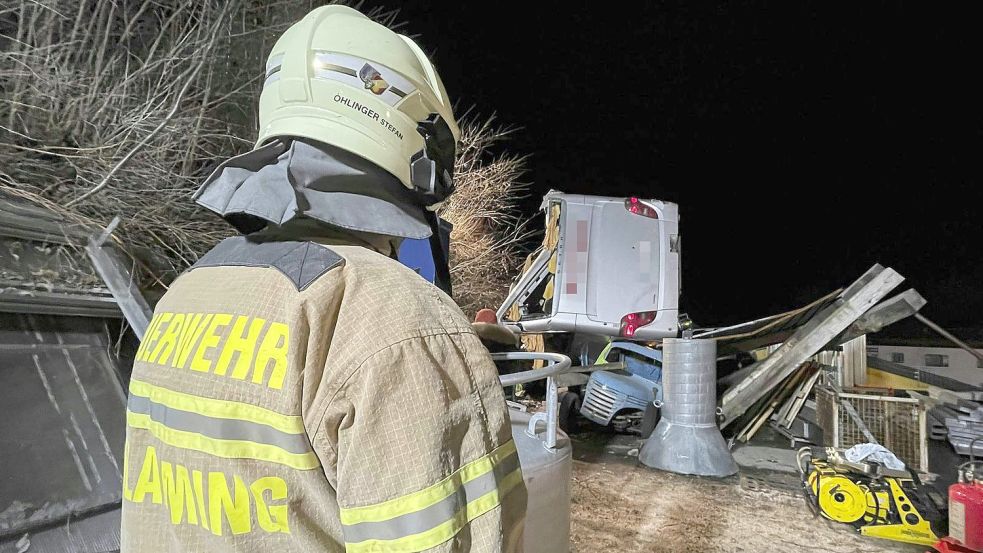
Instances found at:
x=620 y=397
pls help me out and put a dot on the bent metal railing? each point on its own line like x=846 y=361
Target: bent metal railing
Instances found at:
x=556 y=364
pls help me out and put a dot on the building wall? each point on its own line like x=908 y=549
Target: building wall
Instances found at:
x=881 y=379
x=961 y=365
x=850 y=359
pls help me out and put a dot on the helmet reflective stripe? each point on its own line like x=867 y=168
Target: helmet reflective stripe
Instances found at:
x=273 y=68
x=382 y=81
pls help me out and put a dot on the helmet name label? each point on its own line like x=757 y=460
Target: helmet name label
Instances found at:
x=368 y=112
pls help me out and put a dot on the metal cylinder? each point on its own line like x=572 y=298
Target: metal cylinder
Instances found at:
x=687 y=439
x=546 y=473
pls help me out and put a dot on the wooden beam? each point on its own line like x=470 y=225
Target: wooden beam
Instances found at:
x=809 y=339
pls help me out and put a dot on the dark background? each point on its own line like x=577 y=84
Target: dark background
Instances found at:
x=803 y=141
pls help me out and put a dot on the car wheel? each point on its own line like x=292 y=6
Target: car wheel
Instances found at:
x=569 y=409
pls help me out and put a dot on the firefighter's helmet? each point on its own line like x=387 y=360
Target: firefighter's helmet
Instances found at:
x=339 y=78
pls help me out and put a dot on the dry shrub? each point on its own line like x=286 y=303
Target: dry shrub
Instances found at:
x=112 y=107
x=487 y=236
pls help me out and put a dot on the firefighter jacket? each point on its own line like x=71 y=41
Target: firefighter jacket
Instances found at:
x=292 y=396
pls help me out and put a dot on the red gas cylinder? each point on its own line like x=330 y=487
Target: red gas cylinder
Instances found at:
x=966 y=507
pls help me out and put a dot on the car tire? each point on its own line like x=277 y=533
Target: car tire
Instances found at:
x=649 y=420
x=569 y=410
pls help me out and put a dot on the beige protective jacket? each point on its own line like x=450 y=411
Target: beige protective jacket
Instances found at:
x=290 y=396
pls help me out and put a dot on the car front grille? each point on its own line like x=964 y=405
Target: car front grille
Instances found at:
x=601 y=403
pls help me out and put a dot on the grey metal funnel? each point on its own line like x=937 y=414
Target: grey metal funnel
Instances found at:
x=687 y=439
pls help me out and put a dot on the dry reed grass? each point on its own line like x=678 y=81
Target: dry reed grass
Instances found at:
x=111 y=107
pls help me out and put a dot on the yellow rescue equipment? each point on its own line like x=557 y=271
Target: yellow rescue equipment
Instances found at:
x=877 y=501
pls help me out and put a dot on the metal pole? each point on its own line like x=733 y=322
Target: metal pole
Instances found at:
x=948 y=336
x=120 y=281
x=552 y=412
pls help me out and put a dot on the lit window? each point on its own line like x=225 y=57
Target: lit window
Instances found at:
x=897 y=357
x=936 y=360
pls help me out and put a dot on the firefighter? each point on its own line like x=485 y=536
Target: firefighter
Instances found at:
x=297 y=388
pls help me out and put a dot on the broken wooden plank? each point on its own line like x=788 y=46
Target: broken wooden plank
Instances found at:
x=799 y=399
x=884 y=314
x=809 y=339
x=776 y=399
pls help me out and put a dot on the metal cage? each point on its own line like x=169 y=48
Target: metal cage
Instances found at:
x=897 y=423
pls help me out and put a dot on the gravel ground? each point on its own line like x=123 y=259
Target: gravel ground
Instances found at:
x=620 y=506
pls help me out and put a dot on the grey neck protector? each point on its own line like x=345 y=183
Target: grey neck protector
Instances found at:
x=298 y=179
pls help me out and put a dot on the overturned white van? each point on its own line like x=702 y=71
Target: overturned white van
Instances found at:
x=608 y=266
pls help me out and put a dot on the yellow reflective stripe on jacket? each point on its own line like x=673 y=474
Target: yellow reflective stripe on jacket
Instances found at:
x=222 y=428
x=230 y=449
x=217 y=407
x=428 y=496
x=432 y=516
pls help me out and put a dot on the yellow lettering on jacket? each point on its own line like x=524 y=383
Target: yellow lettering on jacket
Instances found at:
x=152 y=335
x=151 y=328
x=162 y=351
x=273 y=349
x=209 y=341
x=149 y=479
x=194 y=325
x=221 y=501
x=242 y=344
x=178 y=493
x=200 y=498
x=204 y=499
x=127 y=493
x=272 y=518
x=237 y=346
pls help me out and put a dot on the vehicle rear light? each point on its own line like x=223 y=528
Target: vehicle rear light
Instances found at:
x=631 y=322
x=638 y=207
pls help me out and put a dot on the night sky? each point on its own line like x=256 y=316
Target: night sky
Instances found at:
x=803 y=142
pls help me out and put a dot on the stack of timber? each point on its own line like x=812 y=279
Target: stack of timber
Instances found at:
x=784 y=402
x=956 y=417
x=937 y=430
x=966 y=427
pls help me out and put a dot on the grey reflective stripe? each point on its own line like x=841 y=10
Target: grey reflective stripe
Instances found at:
x=273 y=67
x=436 y=514
x=218 y=428
x=337 y=68
x=273 y=64
x=346 y=69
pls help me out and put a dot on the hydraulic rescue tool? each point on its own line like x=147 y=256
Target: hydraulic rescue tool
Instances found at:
x=876 y=500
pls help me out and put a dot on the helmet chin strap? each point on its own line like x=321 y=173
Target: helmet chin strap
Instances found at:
x=440 y=246
x=431 y=169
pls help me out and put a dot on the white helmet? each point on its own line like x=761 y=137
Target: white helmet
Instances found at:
x=339 y=78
